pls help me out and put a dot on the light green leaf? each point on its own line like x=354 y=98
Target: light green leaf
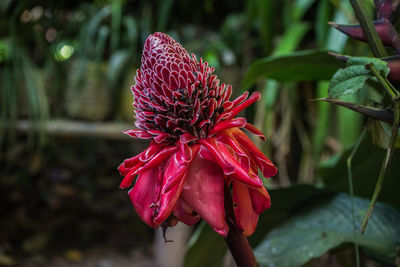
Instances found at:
x=327 y=223
x=291 y=39
x=381 y=133
x=351 y=79
x=309 y=65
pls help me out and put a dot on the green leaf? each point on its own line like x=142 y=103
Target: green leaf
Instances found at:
x=309 y=65
x=291 y=39
x=206 y=248
x=351 y=79
x=327 y=223
x=381 y=134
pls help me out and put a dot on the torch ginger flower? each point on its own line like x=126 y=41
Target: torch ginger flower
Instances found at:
x=196 y=146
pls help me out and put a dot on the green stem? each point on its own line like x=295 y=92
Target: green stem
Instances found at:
x=368 y=28
x=350 y=175
x=393 y=93
x=385 y=166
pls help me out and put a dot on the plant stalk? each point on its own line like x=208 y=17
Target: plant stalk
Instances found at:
x=394 y=95
x=368 y=28
x=238 y=244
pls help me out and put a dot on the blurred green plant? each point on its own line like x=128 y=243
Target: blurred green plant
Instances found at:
x=362 y=89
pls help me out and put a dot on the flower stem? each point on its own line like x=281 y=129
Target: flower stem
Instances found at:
x=238 y=244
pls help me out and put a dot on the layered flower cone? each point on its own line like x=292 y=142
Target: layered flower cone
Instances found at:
x=197 y=144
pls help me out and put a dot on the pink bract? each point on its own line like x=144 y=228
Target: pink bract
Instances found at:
x=197 y=146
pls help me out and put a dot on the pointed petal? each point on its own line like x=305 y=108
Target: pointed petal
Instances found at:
x=254 y=130
x=223 y=125
x=145 y=195
x=139 y=134
x=130 y=176
x=253 y=98
x=185 y=213
x=204 y=192
x=240 y=99
x=267 y=167
x=246 y=217
x=123 y=170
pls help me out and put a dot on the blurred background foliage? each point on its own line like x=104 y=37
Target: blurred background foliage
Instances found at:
x=65 y=72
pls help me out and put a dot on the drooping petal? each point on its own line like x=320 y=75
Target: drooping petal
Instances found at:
x=145 y=194
x=185 y=213
x=260 y=199
x=169 y=199
x=130 y=176
x=254 y=130
x=173 y=181
x=267 y=167
x=204 y=192
x=229 y=164
x=182 y=161
x=245 y=215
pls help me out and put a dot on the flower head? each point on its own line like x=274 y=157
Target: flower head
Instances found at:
x=197 y=145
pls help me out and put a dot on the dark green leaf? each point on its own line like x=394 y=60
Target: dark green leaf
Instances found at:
x=351 y=79
x=327 y=223
x=365 y=168
x=307 y=65
x=206 y=248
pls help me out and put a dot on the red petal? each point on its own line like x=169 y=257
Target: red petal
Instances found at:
x=204 y=192
x=130 y=176
x=165 y=153
x=246 y=217
x=123 y=170
x=187 y=137
x=240 y=99
x=253 y=98
x=182 y=160
x=169 y=199
x=139 y=134
x=229 y=164
x=267 y=167
x=223 y=125
x=253 y=129
x=152 y=150
x=260 y=199
x=145 y=194
x=173 y=179
x=185 y=213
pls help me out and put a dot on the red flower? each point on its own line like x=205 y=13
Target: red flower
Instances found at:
x=196 y=144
